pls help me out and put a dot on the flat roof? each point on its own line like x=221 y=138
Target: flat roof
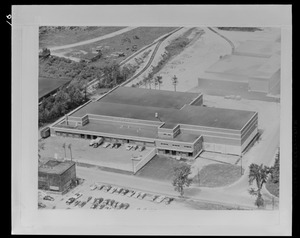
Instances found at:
x=150 y=97
x=264 y=48
x=246 y=66
x=47 y=85
x=189 y=115
x=55 y=166
x=236 y=65
x=137 y=131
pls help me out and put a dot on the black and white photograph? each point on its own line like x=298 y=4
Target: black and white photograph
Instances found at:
x=151 y=118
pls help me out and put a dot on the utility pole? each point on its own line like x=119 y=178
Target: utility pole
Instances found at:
x=198 y=176
x=241 y=165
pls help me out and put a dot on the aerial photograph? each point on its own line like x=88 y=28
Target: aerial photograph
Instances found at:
x=159 y=118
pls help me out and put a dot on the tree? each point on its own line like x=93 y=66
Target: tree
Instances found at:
x=150 y=79
x=159 y=81
x=181 y=179
x=174 y=82
x=259 y=174
x=145 y=81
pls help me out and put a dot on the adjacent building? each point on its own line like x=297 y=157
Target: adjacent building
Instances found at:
x=56 y=175
x=176 y=123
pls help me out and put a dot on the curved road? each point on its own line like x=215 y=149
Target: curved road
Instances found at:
x=225 y=38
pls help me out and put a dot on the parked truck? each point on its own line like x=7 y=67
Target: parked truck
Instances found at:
x=98 y=141
x=45 y=132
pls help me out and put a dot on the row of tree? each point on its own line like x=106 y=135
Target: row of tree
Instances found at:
x=156 y=81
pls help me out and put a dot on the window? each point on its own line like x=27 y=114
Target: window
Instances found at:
x=190 y=154
x=164 y=144
x=187 y=146
x=175 y=145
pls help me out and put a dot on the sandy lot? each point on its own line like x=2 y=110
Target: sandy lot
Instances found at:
x=197 y=57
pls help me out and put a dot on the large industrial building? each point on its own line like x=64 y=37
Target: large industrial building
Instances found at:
x=176 y=123
x=56 y=175
x=254 y=66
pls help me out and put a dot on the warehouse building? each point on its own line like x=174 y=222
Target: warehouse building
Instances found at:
x=56 y=175
x=254 y=67
x=176 y=123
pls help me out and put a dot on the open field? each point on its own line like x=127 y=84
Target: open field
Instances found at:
x=58 y=36
x=127 y=43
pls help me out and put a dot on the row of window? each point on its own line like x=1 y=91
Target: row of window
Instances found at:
x=186 y=146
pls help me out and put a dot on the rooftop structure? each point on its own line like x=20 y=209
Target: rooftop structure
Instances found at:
x=55 y=166
x=48 y=86
x=256 y=48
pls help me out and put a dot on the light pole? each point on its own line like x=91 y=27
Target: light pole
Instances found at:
x=241 y=165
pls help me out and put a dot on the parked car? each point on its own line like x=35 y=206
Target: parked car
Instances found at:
x=106 y=201
x=92 y=142
x=106 y=144
x=128 y=147
x=94 y=205
x=136 y=195
x=112 y=190
x=100 y=186
x=125 y=205
x=111 y=202
x=130 y=193
x=160 y=199
x=153 y=197
x=115 y=205
x=141 y=148
x=48 y=198
x=101 y=206
x=142 y=195
x=119 y=206
x=76 y=203
x=134 y=147
x=70 y=200
x=116 y=145
x=93 y=187
x=107 y=188
x=77 y=195
x=124 y=191
x=41 y=205
x=119 y=190
x=98 y=142
x=82 y=204
x=168 y=200
x=89 y=199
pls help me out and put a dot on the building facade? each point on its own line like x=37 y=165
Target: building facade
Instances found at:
x=178 y=125
x=56 y=175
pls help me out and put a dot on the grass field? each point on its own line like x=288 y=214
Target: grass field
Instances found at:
x=218 y=175
x=159 y=168
x=128 y=43
x=273 y=188
x=55 y=37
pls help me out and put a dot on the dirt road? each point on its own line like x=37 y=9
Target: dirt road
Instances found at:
x=92 y=40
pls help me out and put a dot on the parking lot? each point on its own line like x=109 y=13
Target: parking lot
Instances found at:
x=89 y=193
x=82 y=152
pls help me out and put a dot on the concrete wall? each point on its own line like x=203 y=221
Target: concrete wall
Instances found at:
x=144 y=160
x=173 y=145
x=259 y=85
x=221 y=148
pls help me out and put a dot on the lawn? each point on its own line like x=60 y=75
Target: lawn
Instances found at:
x=273 y=188
x=217 y=175
x=57 y=37
x=159 y=168
x=196 y=205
